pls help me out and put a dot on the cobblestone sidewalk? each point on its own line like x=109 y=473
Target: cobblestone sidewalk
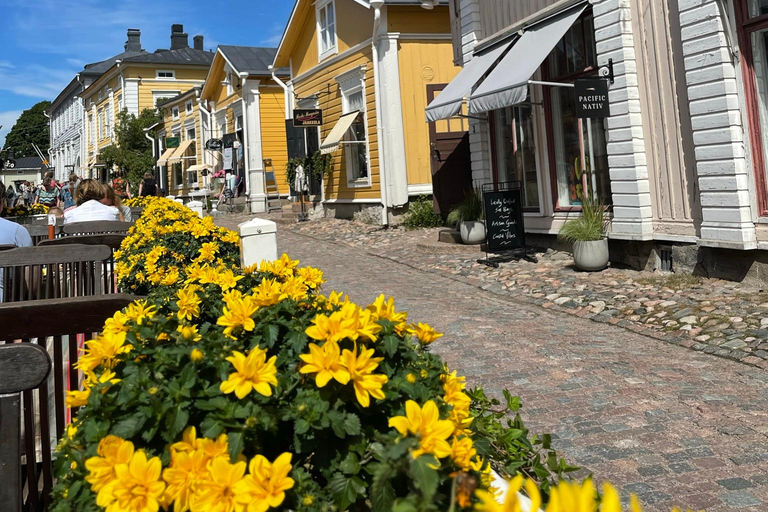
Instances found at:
x=708 y=315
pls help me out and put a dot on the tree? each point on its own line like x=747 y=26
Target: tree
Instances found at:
x=132 y=155
x=31 y=127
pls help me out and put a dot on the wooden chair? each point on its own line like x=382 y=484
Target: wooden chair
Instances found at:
x=40 y=232
x=113 y=240
x=23 y=367
x=47 y=272
x=96 y=227
x=136 y=212
x=37 y=323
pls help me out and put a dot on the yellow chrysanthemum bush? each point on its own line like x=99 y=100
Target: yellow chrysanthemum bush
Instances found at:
x=167 y=243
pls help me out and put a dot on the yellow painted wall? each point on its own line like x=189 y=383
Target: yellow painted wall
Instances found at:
x=183 y=72
x=336 y=186
x=274 y=143
x=421 y=63
x=180 y=124
x=415 y=20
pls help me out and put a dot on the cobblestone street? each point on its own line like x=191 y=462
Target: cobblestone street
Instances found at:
x=674 y=426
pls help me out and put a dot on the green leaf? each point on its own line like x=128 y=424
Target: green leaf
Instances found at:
x=270 y=332
x=297 y=340
x=350 y=465
x=301 y=426
x=424 y=477
x=177 y=420
x=211 y=427
x=129 y=427
x=345 y=490
x=212 y=404
x=382 y=493
x=513 y=402
x=389 y=345
x=236 y=444
x=352 y=424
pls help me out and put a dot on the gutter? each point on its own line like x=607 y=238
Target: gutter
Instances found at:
x=286 y=91
x=203 y=107
x=246 y=152
x=154 y=147
x=383 y=183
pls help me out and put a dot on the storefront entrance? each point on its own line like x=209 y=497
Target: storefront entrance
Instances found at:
x=450 y=157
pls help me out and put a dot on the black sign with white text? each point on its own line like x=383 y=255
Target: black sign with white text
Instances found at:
x=504 y=219
x=307 y=117
x=592 y=98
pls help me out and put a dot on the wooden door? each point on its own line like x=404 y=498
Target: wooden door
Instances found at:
x=450 y=157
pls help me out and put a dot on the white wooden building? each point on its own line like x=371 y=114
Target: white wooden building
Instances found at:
x=683 y=156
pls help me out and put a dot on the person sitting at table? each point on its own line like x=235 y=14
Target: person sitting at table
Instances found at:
x=112 y=199
x=11 y=233
x=88 y=199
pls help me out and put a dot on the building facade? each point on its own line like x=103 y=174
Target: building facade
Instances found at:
x=137 y=83
x=243 y=105
x=181 y=165
x=371 y=68
x=66 y=113
x=681 y=157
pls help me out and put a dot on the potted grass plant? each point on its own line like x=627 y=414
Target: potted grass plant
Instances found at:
x=587 y=233
x=468 y=216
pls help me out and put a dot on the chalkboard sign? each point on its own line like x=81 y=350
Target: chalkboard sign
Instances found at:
x=504 y=219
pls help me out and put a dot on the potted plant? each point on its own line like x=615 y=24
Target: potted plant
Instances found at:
x=468 y=216
x=587 y=233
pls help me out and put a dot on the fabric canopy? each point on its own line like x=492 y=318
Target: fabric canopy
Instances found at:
x=183 y=147
x=331 y=142
x=198 y=167
x=448 y=103
x=507 y=84
x=163 y=160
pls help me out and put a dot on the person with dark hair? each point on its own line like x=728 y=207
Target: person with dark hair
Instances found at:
x=48 y=194
x=112 y=199
x=148 y=186
x=11 y=233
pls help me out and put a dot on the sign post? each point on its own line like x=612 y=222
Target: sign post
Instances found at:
x=591 y=103
x=504 y=226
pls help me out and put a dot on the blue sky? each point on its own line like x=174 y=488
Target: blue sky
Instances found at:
x=44 y=43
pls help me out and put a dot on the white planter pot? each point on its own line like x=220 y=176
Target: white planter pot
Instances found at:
x=591 y=256
x=472 y=232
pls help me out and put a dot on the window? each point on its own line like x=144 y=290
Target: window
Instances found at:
x=188 y=107
x=101 y=94
x=100 y=115
x=191 y=133
x=752 y=20
x=165 y=74
x=516 y=150
x=175 y=112
x=575 y=56
x=109 y=122
x=326 y=28
x=239 y=122
x=92 y=135
x=356 y=147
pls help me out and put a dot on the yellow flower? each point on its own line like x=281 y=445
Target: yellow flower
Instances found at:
x=267 y=293
x=462 y=453
x=326 y=362
x=214 y=448
x=424 y=333
x=294 y=288
x=189 y=332
x=307 y=500
x=116 y=324
x=187 y=470
x=265 y=485
x=103 y=351
x=217 y=494
x=332 y=328
x=188 y=441
x=227 y=279
x=253 y=372
x=196 y=355
x=139 y=312
x=77 y=398
x=360 y=367
x=312 y=277
x=410 y=377
x=136 y=487
x=454 y=386
x=188 y=303
x=238 y=313
x=208 y=251
x=385 y=309
x=171 y=277
x=198 y=229
x=112 y=450
x=72 y=429
x=281 y=268
x=153 y=390
x=426 y=424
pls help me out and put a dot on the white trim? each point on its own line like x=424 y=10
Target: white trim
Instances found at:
x=131 y=96
x=331 y=50
x=328 y=62
x=188 y=106
x=351 y=78
x=353 y=201
x=175 y=113
x=166 y=80
x=420 y=190
x=353 y=82
x=171 y=71
x=253 y=153
x=421 y=37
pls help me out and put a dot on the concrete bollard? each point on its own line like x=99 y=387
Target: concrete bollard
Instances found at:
x=179 y=200
x=197 y=207
x=258 y=241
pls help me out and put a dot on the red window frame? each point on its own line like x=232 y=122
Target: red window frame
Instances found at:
x=746 y=26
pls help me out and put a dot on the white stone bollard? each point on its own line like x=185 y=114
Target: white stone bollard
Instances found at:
x=197 y=207
x=179 y=200
x=258 y=241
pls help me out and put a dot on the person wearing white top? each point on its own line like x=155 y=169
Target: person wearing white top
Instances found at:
x=91 y=210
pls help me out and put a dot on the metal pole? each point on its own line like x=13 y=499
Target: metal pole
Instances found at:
x=583 y=158
x=592 y=159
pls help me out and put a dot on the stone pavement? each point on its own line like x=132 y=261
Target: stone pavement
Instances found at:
x=674 y=426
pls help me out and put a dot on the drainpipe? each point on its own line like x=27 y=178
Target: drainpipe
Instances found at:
x=383 y=185
x=246 y=151
x=154 y=148
x=203 y=108
x=286 y=92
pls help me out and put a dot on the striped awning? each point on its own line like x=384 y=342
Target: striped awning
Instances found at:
x=179 y=153
x=198 y=167
x=163 y=160
x=332 y=141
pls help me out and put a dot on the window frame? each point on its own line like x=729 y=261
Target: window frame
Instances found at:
x=365 y=181
x=745 y=27
x=188 y=107
x=175 y=113
x=322 y=5
x=169 y=71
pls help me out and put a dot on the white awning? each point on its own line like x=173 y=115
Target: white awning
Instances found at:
x=332 y=141
x=507 y=84
x=183 y=147
x=163 y=160
x=198 y=167
x=448 y=103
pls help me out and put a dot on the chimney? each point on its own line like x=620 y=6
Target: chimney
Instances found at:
x=179 y=39
x=134 y=40
x=198 y=42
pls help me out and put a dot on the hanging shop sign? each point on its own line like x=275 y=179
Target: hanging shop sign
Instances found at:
x=504 y=219
x=213 y=144
x=592 y=98
x=172 y=142
x=229 y=140
x=304 y=117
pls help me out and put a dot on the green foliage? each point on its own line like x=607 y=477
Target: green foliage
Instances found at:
x=318 y=165
x=132 y=154
x=592 y=223
x=31 y=127
x=322 y=165
x=421 y=214
x=469 y=209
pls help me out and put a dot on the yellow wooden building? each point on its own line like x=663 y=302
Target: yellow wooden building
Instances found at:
x=244 y=107
x=369 y=66
x=137 y=83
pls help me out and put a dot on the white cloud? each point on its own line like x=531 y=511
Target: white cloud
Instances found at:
x=274 y=37
x=7 y=120
x=35 y=81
